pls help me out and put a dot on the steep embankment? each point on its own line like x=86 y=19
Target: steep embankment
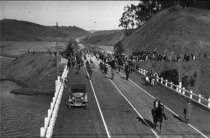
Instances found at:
x=15 y=30
x=170 y=29
x=166 y=32
x=35 y=73
x=107 y=38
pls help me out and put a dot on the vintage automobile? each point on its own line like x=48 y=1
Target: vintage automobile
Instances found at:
x=78 y=96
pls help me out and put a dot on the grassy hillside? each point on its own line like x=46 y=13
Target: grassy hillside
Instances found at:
x=170 y=29
x=108 y=38
x=166 y=32
x=15 y=30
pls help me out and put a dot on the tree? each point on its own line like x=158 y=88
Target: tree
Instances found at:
x=134 y=16
x=118 y=49
x=70 y=49
x=127 y=20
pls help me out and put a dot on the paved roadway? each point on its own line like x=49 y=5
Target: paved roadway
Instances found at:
x=125 y=110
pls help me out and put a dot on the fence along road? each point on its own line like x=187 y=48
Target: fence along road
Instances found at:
x=200 y=118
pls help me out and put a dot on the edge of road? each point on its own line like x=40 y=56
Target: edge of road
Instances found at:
x=165 y=106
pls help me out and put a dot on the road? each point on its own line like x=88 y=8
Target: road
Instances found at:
x=121 y=108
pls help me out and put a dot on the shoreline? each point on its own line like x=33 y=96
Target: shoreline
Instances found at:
x=32 y=92
x=25 y=90
x=8 y=56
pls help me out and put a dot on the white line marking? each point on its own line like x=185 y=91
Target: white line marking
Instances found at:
x=134 y=108
x=107 y=131
x=165 y=106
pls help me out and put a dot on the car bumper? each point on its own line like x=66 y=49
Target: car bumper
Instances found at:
x=78 y=104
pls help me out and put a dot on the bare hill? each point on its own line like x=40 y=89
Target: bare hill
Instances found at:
x=15 y=30
x=170 y=29
x=72 y=32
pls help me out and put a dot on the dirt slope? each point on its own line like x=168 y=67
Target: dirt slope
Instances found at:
x=36 y=73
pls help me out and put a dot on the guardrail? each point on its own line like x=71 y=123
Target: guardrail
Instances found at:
x=49 y=121
x=182 y=91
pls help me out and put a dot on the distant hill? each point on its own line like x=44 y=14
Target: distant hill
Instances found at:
x=170 y=29
x=104 y=37
x=15 y=30
x=103 y=32
x=72 y=32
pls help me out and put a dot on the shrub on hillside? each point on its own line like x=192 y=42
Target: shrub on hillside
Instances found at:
x=185 y=81
x=192 y=81
x=170 y=75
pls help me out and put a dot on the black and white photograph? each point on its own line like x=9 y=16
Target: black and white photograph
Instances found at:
x=105 y=69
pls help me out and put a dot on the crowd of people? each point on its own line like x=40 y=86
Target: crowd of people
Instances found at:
x=153 y=55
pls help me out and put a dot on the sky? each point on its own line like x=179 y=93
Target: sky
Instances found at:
x=89 y=15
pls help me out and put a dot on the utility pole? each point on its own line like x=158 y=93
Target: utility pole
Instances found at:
x=56 y=50
x=180 y=68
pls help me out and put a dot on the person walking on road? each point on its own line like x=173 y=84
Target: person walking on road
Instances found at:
x=187 y=112
x=127 y=71
x=156 y=103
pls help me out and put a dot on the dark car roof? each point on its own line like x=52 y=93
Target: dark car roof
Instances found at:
x=79 y=86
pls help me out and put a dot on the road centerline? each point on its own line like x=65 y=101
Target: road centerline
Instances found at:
x=106 y=128
x=133 y=108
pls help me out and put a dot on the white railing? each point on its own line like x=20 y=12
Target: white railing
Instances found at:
x=49 y=121
x=182 y=91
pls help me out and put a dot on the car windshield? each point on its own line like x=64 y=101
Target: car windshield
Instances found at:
x=78 y=94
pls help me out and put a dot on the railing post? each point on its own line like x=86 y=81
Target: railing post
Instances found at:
x=183 y=90
x=191 y=94
x=161 y=80
x=49 y=111
x=199 y=99
x=209 y=102
x=177 y=88
x=180 y=88
x=166 y=83
x=171 y=85
x=42 y=132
